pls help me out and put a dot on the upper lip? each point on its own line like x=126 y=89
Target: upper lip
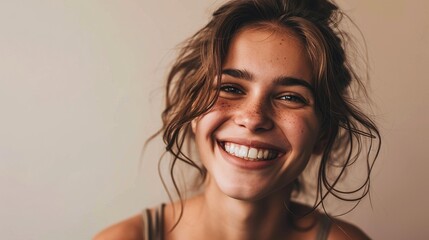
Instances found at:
x=254 y=144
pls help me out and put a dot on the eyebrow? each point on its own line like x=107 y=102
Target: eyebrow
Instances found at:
x=281 y=80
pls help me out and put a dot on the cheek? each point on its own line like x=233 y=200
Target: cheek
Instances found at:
x=205 y=125
x=223 y=106
x=301 y=128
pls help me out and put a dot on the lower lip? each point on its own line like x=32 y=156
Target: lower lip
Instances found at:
x=245 y=164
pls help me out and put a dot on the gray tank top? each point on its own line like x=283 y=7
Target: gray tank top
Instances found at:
x=154 y=225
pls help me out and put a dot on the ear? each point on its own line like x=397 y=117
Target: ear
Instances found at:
x=194 y=125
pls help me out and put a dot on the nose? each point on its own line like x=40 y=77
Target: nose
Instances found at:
x=254 y=116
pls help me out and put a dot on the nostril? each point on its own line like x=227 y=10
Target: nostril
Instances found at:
x=254 y=120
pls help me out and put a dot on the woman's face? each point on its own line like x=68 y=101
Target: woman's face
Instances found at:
x=263 y=129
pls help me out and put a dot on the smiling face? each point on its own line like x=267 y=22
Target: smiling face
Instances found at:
x=261 y=132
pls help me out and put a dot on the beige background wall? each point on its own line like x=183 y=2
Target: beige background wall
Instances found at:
x=81 y=89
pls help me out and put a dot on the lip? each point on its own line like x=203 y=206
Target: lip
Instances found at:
x=246 y=164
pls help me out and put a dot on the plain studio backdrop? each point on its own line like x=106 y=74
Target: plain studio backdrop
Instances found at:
x=81 y=88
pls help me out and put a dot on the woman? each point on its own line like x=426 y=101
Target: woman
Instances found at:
x=262 y=90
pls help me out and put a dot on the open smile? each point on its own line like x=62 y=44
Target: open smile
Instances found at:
x=249 y=153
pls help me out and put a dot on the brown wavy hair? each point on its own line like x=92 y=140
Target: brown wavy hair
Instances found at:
x=347 y=131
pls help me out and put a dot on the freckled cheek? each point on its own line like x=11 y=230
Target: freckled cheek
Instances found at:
x=211 y=120
x=301 y=129
x=223 y=106
x=222 y=109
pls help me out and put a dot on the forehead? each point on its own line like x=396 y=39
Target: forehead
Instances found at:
x=269 y=52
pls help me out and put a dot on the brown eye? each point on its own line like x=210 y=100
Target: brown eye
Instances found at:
x=293 y=100
x=231 y=89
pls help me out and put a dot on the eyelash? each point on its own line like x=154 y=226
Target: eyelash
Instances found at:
x=290 y=98
x=293 y=98
x=231 y=89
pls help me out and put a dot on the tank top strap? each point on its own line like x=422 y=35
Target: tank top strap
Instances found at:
x=325 y=226
x=153 y=223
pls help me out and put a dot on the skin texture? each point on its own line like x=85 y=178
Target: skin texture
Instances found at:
x=260 y=109
x=265 y=101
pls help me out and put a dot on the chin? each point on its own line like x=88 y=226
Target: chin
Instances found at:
x=244 y=192
x=243 y=196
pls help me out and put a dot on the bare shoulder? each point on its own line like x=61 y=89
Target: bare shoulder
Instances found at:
x=343 y=230
x=129 y=229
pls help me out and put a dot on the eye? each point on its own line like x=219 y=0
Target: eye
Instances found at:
x=229 y=88
x=293 y=100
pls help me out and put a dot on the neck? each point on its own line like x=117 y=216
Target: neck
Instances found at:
x=229 y=218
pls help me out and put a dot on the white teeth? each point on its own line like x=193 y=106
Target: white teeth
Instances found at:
x=260 y=154
x=266 y=152
x=236 y=150
x=252 y=154
x=243 y=151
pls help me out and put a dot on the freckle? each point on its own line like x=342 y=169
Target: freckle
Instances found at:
x=284 y=58
x=280 y=43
